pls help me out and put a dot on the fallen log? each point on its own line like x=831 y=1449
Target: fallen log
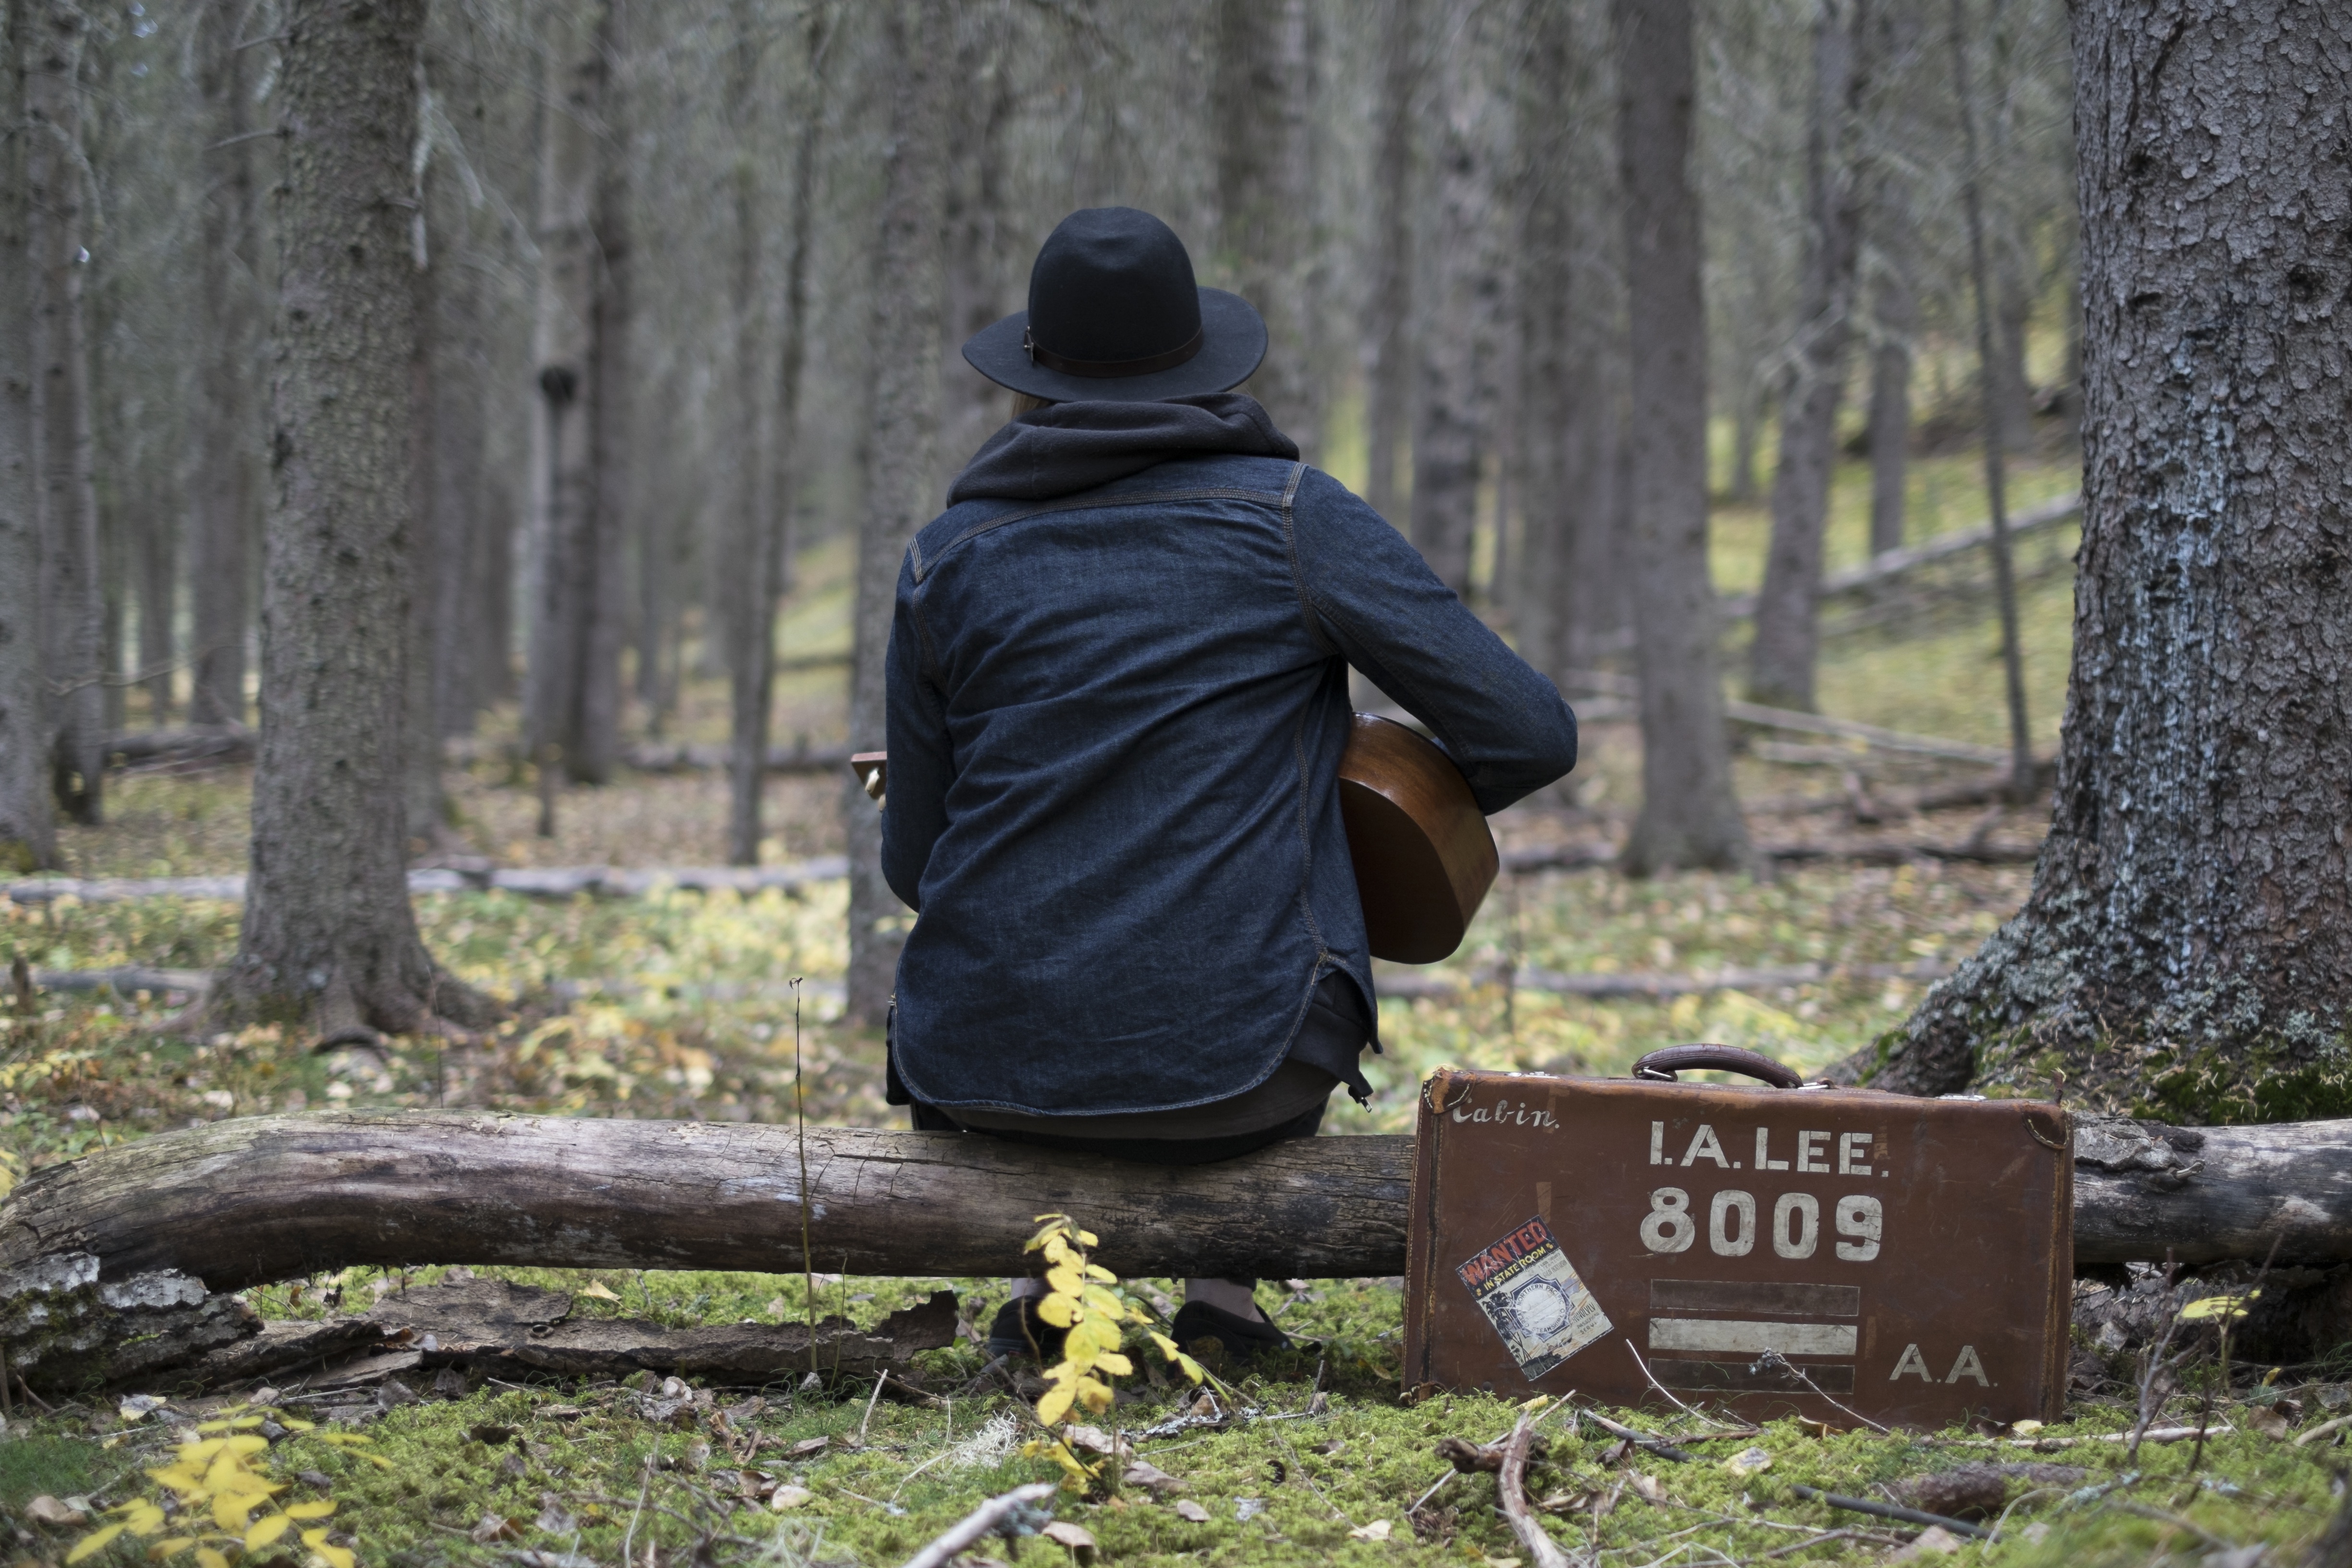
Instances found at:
x=256 y=1199
x=120 y=1248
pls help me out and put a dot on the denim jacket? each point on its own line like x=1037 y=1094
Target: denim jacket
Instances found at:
x=1116 y=712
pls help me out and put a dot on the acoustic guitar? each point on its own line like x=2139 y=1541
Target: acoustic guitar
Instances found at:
x=1422 y=853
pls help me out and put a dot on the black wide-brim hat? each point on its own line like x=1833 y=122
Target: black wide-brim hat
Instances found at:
x=1114 y=315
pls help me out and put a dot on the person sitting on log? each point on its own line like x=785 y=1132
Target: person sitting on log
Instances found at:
x=1118 y=698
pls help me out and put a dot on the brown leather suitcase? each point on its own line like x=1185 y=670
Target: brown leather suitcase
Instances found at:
x=1828 y=1253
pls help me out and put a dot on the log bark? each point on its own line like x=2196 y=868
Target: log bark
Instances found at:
x=242 y=1202
x=2187 y=945
x=256 y=1199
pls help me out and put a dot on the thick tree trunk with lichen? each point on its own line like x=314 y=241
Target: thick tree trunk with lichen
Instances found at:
x=2188 y=946
x=328 y=932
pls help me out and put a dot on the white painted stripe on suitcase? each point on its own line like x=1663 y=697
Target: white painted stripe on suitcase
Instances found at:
x=1740 y=1338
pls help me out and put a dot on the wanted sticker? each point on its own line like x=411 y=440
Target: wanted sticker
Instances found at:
x=1531 y=1292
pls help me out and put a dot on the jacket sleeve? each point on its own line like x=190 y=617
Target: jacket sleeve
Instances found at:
x=1383 y=609
x=922 y=762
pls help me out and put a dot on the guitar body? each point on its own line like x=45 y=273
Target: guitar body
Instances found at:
x=1422 y=853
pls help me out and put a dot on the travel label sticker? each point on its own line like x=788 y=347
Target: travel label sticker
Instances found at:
x=1531 y=1292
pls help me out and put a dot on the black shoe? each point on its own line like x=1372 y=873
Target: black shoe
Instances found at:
x=1018 y=1330
x=1241 y=1337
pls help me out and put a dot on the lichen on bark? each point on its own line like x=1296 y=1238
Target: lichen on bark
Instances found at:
x=2187 y=950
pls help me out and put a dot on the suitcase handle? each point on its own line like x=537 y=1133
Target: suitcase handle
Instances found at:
x=1661 y=1064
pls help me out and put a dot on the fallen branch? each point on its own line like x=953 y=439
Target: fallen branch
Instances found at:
x=1889 y=1510
x=530 y=881
x=1640 y=983
x=1020 y=1512
x=1511 y=1488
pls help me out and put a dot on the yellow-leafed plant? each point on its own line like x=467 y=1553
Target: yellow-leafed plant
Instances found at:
x=1082 y=1299
x=218 y=1482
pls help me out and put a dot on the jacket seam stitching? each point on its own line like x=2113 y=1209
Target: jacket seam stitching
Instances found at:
x=1089 y=502
x=1297 y=570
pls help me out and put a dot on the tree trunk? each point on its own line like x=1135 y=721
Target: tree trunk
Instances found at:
x=808 y=142
x=430 y=538
x=327 y=932
x=1455 y=411
x=909 y=304
x=256 y=1199
x=224 y=519
x=1388 y=371
x=1897 y=312
x=157 y=566
x=1787 y=646
x=2187 y=943
x=1543 y=612
x=461 y=409
x=1689 y=816
x=27 y=835
x=72 y=608
x=746 y=537
x=1263 y=104
x=571 y=700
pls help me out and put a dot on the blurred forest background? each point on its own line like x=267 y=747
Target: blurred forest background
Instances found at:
x=650 y=239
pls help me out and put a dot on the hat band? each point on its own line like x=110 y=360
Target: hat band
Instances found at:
x=1106 y=369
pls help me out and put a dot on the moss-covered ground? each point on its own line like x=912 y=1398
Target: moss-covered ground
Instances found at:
x=683 y=1004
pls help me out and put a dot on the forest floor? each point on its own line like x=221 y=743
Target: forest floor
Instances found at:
x=684 y=1005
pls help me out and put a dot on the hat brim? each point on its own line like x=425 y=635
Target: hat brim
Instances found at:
x=1233 y=345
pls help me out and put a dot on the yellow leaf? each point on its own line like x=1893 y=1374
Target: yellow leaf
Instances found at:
x=266 y=1530
x=344 y=1439
x=1191 y=1368
x=1087 y=1238
x=1098 y=1300
x=1084 y=1342
x=248 y=1442
x=337 y=1556
x=1115 y=1365
x=2224 y=1306
x=208 y=1558
x=230 y=1512
x=1054 y=1405
x=1096 y=1397
x=179 y=1477
x=1064 y=1279
x=164 y=1550
x=317 y=1509
x=314 y=1537
x=1166 y=1346
x=291 y=1425
x=145 y=1519
x=594 y=1290
x=1059 y=1311
x=381 y=1463
x=95 y=1541
x=1096 y=1271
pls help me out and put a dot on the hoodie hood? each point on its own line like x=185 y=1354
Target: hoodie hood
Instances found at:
x=1069 y=447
